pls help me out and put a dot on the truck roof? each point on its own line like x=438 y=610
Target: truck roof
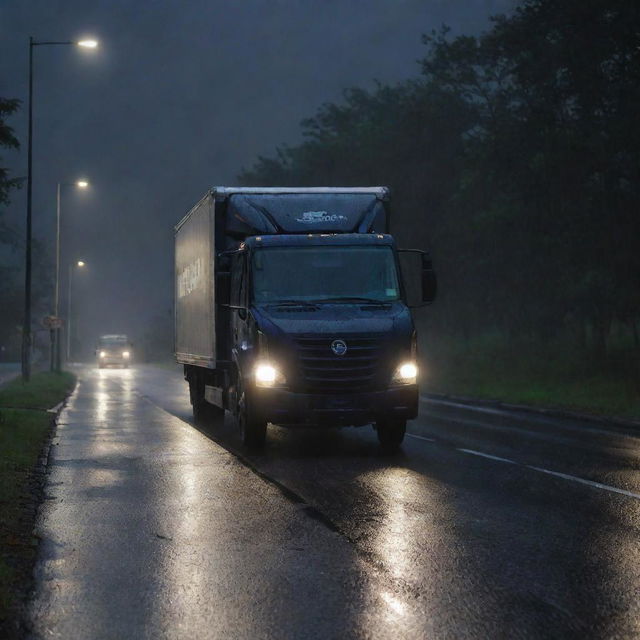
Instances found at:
x=301 y=240
x=240 y=212
x=381 y=192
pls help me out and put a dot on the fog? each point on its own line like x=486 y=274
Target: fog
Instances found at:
x=179 y=97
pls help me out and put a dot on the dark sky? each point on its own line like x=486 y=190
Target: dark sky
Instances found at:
x=180 y=96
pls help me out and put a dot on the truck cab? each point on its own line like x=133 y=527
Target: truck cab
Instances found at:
x=312 y=325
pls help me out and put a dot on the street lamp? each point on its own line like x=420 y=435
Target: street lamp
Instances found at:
x=80 y=184
x=79 y=264
x=26 y=325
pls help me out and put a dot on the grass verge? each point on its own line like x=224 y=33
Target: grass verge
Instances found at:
x=544 y=377
x=25 y=427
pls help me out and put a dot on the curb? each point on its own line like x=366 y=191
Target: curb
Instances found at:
x=41 y=473
x=542 y=411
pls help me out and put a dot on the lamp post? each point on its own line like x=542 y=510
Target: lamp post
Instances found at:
x=79 y=264
x=26 y=325
x=81 y=184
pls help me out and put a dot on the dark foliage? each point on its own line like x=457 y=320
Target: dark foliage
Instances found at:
x=515 y=156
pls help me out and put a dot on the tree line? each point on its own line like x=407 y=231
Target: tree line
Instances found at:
x=11 y=252
x=515 y=156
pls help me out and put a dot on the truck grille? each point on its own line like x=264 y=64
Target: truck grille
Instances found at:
x=358 y=370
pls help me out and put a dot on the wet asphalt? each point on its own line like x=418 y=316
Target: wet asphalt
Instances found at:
x=488 y=524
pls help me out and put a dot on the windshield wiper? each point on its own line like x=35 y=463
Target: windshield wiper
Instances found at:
x=352 y=299
x=306 y=303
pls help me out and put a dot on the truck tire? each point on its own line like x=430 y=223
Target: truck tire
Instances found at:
x=253 y=427
x=391 y=433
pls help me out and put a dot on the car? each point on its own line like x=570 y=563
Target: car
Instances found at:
x=113 y=349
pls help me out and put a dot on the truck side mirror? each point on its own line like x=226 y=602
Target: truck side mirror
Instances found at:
x=223 y=280
x=429 y=280
x=418 y=276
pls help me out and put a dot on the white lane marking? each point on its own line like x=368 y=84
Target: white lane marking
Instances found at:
x=413 y=435
x=535 y=435
x=460 y=405
x=486 y=455
x=557 y=474
x=564 y=476
x=590 y=483
x=551 y=420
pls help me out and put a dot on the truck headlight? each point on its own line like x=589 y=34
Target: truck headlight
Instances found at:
x=267 y=375
x=125 y=354
x=103 y=354
x=406 y=373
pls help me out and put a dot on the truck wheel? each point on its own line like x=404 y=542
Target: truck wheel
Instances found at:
x=253 y=428
x=391 y=433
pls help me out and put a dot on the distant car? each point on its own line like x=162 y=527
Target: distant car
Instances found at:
x=113 y=349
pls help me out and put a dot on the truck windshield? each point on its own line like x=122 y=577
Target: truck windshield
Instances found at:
x=331 y=274
x=113 y=341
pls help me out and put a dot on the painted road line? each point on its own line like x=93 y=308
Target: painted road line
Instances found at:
x=535 y=435
x=590 y=483
x=413 y=435
x=486 y=455
x=557 y=474
x=533 y=417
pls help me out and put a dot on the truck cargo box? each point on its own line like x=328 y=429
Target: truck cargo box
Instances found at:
x=194 y=290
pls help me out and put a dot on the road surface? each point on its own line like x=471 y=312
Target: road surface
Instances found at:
x=488 y=524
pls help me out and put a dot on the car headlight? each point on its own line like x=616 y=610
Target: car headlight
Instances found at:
x=267 y=375
x=406 y=373
x=103 y=354
x=125 y=354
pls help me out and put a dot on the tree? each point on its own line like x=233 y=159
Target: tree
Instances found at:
x=9 y=287
x=8 y=141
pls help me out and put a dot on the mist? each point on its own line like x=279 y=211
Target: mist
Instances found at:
x=177 y=98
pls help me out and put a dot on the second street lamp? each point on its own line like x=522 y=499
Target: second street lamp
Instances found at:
x=79 y=264
x=26 y=323
x=80 y=184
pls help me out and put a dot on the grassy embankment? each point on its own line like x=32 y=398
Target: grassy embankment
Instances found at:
x=555 y=376
x=24 y=428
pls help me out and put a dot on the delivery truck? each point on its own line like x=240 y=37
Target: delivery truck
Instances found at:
x=291 y=309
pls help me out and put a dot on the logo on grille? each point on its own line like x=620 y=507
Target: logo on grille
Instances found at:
x=339 y=347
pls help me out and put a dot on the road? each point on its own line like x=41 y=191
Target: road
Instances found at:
x=488 y=524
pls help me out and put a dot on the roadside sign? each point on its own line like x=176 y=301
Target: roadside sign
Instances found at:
x=52 y=322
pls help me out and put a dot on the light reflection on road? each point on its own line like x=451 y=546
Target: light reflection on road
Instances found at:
x=403 y=529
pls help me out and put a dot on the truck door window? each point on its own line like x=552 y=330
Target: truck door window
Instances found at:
x=238 y=296
x=236 y=274
x=242 y=294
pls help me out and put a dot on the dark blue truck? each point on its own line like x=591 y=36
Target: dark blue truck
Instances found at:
x=291 y=309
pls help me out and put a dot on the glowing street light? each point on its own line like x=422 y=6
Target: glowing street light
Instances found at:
x=79 y=264
x=26 y=325
x=81 y=184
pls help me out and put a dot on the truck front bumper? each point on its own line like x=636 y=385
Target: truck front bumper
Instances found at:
x=286 y=408
x=107 y=361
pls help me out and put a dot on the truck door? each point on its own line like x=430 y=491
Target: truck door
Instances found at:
x=238 y=304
